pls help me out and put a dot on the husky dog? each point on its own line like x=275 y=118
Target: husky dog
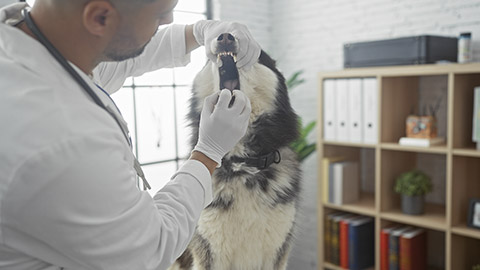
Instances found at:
x=250 y=223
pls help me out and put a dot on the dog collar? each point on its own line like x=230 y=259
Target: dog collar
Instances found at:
x=261 y=162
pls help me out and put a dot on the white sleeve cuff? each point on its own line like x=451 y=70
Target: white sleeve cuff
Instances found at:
x=199 y=171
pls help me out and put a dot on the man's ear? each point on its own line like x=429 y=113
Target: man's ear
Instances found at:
x=100 y=18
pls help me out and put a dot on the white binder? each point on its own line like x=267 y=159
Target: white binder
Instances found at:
x=341 y=104
x=329 y=121
x=370 y=110
x=355 y=113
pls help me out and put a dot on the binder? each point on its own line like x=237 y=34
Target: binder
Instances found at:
x=329 y=121
x=355 y=112
x=341 y=105
x=476 y=115
x=370 y=110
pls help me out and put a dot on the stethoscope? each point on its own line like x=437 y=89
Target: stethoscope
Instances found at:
x=62 y=61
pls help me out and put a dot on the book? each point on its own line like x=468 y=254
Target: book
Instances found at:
x=384 y=235
x=328 y=235
x=325 y=175
x=420 y=142
x=413 y=250
x=344 y=224
x=335 y=237
x=394 y=247
x=361 y=250
x=346 y=182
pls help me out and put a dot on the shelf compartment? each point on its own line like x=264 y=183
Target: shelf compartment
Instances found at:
x=403 y=96
x=436 y=243
x=463 y=91
x=465 y=185
x=395 y=163
x=366 y=161
x=464 y=252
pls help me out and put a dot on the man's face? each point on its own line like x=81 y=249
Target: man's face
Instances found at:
x=137 y=28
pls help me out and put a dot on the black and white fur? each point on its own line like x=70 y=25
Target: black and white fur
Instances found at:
x=251 y=222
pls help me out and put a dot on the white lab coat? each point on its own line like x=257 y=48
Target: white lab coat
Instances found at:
x=68 y=196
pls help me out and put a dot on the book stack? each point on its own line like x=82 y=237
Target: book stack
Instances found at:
x=403 y=248
x=341 y=182
x=350 y=240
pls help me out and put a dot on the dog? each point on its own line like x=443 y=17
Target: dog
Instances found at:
x=250 y=223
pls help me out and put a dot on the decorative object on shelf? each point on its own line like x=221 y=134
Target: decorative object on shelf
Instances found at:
x=301 y=146
x=421 y=126
x=474 y=214
x=413 y=185
x=421 y=130
x=476 y=117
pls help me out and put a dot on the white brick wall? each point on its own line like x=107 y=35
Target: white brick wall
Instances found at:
x=309 y=35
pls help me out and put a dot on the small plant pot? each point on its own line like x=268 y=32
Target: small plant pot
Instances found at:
x=413 y=205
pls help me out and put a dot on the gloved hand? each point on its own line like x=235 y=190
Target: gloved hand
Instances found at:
x=249 y=50
x=222 y=127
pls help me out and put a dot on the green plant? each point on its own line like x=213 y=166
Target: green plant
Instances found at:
x=476 y=267
x=301 y=146
x=413 y=183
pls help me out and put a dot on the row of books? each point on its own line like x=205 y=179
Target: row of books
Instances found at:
x=350 y=240
x=403 y=248
x=340 y=180
x=350 y=110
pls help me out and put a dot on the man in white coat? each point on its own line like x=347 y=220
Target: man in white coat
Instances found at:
x=68 y=194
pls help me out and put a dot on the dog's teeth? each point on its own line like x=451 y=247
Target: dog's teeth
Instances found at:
x=234 y=58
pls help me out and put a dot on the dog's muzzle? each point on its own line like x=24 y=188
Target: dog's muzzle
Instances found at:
x=226 y=50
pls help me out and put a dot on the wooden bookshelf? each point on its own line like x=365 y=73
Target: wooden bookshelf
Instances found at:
x=456 y=164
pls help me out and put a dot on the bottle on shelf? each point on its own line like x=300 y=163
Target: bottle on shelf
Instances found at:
x=464 y=48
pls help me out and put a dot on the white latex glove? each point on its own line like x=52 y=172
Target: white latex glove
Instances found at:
x=249 y=50
x=222 y=127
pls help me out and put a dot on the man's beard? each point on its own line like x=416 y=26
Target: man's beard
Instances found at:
x=116 y=51
x=115 y=55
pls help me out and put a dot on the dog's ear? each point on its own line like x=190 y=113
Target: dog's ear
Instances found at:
x=267 y=61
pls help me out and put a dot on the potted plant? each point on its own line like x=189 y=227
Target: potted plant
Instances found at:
x=413 y=185
x=476 y=267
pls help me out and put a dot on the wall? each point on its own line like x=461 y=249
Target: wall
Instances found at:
x=309 y=35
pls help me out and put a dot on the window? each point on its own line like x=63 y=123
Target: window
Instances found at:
x=155 y=106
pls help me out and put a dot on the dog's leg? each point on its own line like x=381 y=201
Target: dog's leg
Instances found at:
x=184 y=262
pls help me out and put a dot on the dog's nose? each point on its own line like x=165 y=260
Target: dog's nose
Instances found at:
x=226 y=39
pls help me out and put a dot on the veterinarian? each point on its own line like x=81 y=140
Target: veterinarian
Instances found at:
x=68 y=193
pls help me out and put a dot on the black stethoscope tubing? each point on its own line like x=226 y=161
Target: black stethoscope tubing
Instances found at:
x=63 y=62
